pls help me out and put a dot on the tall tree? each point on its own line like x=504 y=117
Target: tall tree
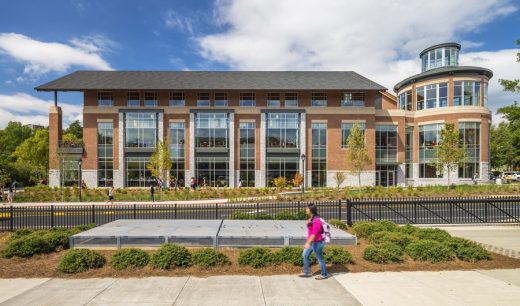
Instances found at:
x=501 y=147
x=10 y=138
x=358 y=157
x=450 y=153
x=512 y=85
x=32 y=155
x=75 y=129
x=160 y=162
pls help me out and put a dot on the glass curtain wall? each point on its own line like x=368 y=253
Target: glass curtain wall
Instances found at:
x=137 y=175
x=429 y=136
x=386 y=144
x=470 y=137
x=212 y=171
x=432 y=96
x=319 y=154
x=405 y=100
x=211 y=130
x=105 y=154
x=140 y=130
x=466 y=93
x=283 y=130
x=282 y=166
x=247 y=154
x=177 y=142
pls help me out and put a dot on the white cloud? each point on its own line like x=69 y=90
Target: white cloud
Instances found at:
x=42 y=57
x=32 y=110
x=378 y=39
x=96 y=43
x=174 y=20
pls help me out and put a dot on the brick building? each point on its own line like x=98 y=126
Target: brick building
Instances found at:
x=226 y=127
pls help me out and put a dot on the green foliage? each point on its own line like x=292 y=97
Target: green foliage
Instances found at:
x=34 y=150
x=366 y=228
x=468 y=250
x=337 y=255
x=503 y=153
x=292 y=255
x=75 y=129
x=129 y=258
x=338 y=224
x=256 y=257
x=27 y=246
x=430 y=250
x=57 y=238
x=5 y=178
x=10 y=138
x=339 y=178
x=170 y=256
x=287 y=215
x=450 y=152
x=209 y=257
x=383 y=253
x=408 y=229
x=160 y=162
x=398 y=238
x=280 y=182
x=432 y=234
x=357 y=155
x=80 y=260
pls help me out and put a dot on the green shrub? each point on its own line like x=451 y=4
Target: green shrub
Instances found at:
x=27 y=246
x=338 y=224
x=210 y=257
x=82 y=228
x=262 y=216
x=171 y=255
x=467 y=250
x=383 y=253
x=57 y=238
x=256 y=257
x=400 y=239
x=430 y=250
x=432 y=234
x=337 y=255
x=292 y=255
x=408 y=229
x=366 y=228
x=129 y=258
x=21 y=233
x=80 y=260
x=239 y=215
x=287 y=215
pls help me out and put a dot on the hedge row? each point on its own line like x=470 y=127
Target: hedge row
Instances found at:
x=282 y=215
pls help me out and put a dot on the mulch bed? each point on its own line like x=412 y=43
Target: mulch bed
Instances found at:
x=46 y=266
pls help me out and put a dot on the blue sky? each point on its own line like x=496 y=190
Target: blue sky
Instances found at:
x=42 y=40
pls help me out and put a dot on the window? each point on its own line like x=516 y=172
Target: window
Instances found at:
x=405 y=100
x=386 y=143
x=221 y=99
x=466 y=93
x=177 y=141
x=177 y=99
x=319 y=155
x=203 y=99
x=273 y=100
x=212 y=171
x=319 y=99
x=470 y=137
x=353 y=99
x=485 y=94
x=443 y=94
x=378 y=101
x=291 y=99
x=247 y=154
x=408 y=152
x=69 y=171
x=448 y=56
x=247 y=99
x=281 y=166
x=211 y=130
x=150 y=99
x=345 y=132
x=133 y=99
x=432 y=96
x=420 y=98
x=105 y=99
x=140 y=130
x=283 y=130
x=429 y=136
x=137 y=174
x=105 y=154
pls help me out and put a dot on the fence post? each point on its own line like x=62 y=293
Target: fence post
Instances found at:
x=93 y=214
x=216 y=211
x=135 y=211
x=175 y=211
x=486 y=211
x=257 y=209
x=52 y=215
x=451 y=210
x=349 y=213
x=415 y=213
x=11 y=218
x=339 y=210
x=298 y=207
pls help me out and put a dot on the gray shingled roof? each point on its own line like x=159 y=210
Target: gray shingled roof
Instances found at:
x=211 y=80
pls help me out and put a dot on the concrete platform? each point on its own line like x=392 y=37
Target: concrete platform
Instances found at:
x=212 y=233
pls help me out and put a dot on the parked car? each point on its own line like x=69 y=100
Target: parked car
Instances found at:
x=509 y=176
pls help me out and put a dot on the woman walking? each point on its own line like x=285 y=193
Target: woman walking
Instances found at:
x=111 y=195
x=10 y=195
x=314 y=243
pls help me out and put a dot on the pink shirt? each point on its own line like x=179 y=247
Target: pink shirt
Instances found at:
x=315 y=228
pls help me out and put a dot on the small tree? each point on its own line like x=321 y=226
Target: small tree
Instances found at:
x=280 y=182
x=160 y=163
x=358 y=157
x=339 y=177
x=450 y=153
x=298 y=179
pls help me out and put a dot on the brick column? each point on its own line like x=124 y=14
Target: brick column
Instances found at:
x=55 y=131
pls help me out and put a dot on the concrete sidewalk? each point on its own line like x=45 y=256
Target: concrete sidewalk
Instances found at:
x=495 y=287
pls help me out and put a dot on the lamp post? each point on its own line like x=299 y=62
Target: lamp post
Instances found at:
x=80 y=180
x=303 y=164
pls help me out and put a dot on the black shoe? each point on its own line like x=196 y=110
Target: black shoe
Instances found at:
x=305 y=275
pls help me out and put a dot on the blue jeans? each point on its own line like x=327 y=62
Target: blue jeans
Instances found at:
x=317 y=247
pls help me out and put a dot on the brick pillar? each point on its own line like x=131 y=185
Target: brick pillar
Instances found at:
x=55 y=131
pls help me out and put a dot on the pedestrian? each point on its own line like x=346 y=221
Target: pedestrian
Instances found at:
x=10 y=195
x=475 y=177
x=314 y=243
x=152 y=192
x=239 y=183
x=111 y=195
x=193 y=183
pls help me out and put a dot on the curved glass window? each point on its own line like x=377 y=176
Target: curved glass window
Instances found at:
x=466 y=93
x=432 y=96
x=440 y=57
x=405 y=100
x=470 y=138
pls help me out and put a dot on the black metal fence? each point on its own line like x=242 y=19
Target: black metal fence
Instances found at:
x=399 y=210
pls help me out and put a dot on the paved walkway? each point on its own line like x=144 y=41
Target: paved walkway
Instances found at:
x=496 y=287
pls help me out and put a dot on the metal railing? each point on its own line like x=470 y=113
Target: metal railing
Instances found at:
x=504 y=209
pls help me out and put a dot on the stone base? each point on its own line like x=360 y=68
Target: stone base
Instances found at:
x=368 y=178
x=54 y=178
x=90 y=177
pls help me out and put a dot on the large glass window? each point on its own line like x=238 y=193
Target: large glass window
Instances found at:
x=273 y=99
x=247 y=99
x=212 y=171
x=211 y=130
x=137 y=175
x=466 y=93
x=140 y=130
x=440 y=57
x=405 y=100
x=281 y=166
x=221 y=99
x=150 y=99
x=319 y=154
x=133 y=99
x=283 y=130
x=291 y=99
x=247 y=154
x=408 y=152
x=69 y=172
x=386 y=143
x=470 y=137
x=177 y=142
x=203 y=99
x=105 y=99
x=177 y=99
x=353 y=99
x=319 y=99
x=432 y=96
x=346 y=127
x=429 y=136
x=105 y=154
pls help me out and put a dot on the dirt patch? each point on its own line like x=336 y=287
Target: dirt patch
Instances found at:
x=46 y=266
